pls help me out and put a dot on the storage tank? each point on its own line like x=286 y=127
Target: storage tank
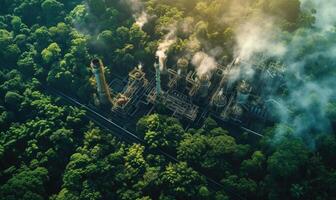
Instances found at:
x=182 y=66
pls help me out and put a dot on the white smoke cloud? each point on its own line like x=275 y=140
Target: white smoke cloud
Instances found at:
x=139 y=12
x=204 y=64
x=186 y=25
x=142 y=19
x=308 y=96
x=258 y=36
x=168 y=40
x=325 y=12
x=256 y=39
x=305 y=53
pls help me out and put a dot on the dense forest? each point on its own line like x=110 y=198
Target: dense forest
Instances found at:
x=52 y=150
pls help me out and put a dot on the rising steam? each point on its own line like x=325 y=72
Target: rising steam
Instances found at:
x=256 y=39
x=141 y=19
x=325 y=13
x=258 y=36
x=204 y=64
x=139 y=12
x=310 y=59
x=164 y=46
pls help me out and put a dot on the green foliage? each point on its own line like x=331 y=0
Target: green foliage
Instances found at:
x=53 y=10
x=13 y=100
x=243 y=186
x=49 y=150
x=288 y=159
x=26 y=185
x=51 y=53
x=326 y=146
x=212 y=152
x=254 y=167
x=160 y=131
x=78 y=15
x=182 y=181
x=16 y=23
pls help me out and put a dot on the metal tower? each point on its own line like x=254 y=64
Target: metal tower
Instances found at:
x=158 y=79
x=102 y=87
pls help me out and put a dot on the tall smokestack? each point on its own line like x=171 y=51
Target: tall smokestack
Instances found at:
x=158 y=79
x=102 y=87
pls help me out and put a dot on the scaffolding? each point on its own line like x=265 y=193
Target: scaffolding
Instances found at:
x=219 y=100
x=173 y=78
x=126 y=102
x=179 y=104
x=189 y=96
x=193 y=84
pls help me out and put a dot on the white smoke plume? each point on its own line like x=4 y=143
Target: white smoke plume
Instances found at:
x=204 y=64
x=255 y=39
x=308 y=95
x=141 y=19
x=258 y=36
x=140 y=66
x=168 y=40
x=186 y=26
x=325 y=12
x=310 y=60
x=139 y=12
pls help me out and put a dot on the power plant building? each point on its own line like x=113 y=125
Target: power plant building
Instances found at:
x=181 y=91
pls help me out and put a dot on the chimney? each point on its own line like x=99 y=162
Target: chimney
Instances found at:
x=158 y=79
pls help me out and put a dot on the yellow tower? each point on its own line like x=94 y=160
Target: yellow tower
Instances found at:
x=102 y=87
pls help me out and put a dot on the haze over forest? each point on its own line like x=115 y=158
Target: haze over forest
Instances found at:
x=59 y=141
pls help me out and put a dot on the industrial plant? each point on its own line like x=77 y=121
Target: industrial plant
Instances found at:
x=186 y=95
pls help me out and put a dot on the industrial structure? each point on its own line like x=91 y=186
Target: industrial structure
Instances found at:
x=103 y=90
x=186 y=95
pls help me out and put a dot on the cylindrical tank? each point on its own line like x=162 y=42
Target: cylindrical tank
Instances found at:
x=182 y=66
x=243 y=92
x=102 y=88
x=204 y=86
